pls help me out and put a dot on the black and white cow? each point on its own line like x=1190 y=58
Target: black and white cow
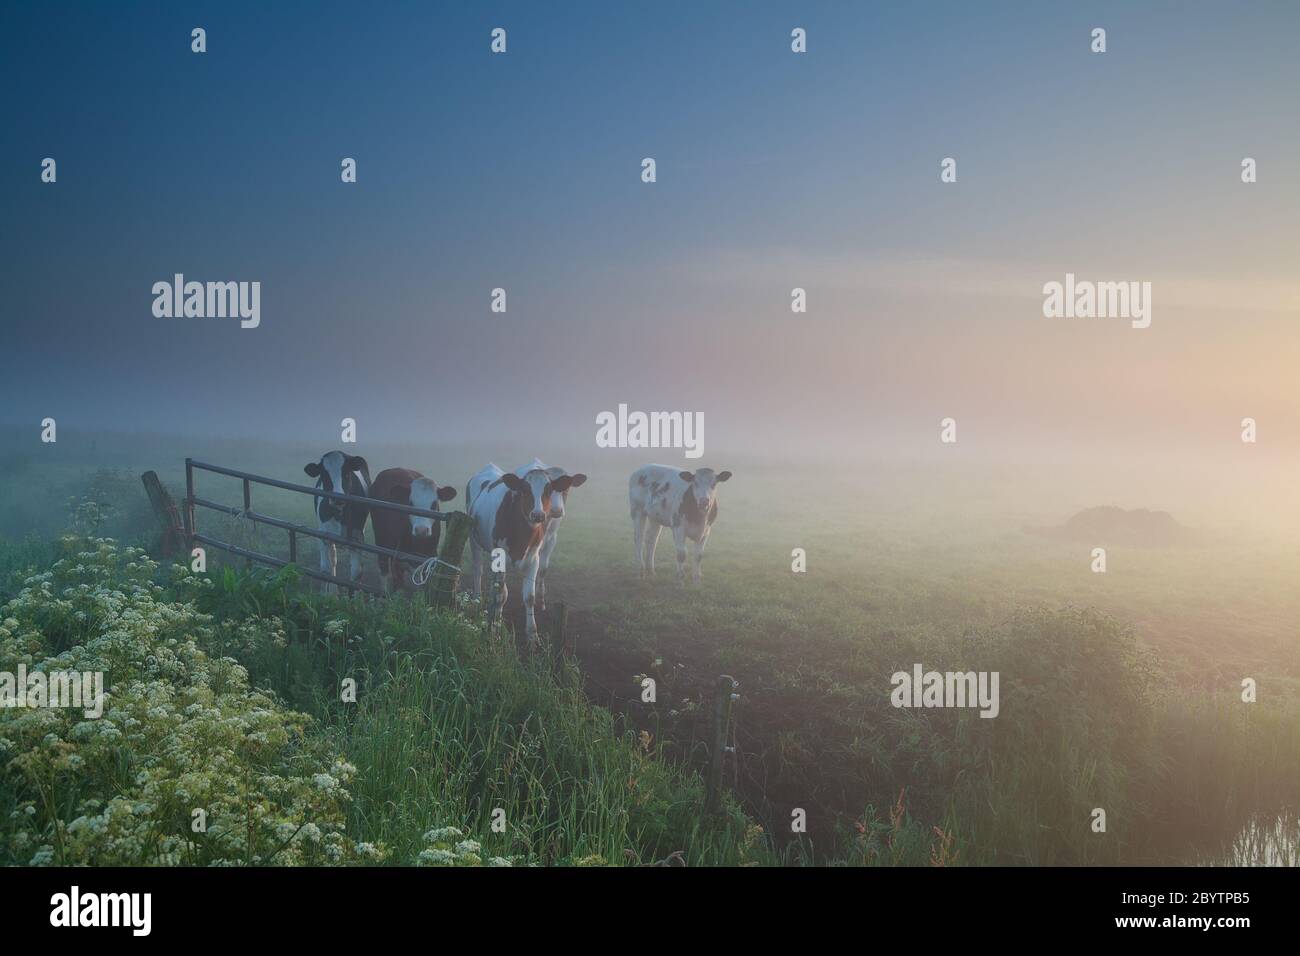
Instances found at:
x=349 y=475
x=509 y=511
x=553 y=519
x=402 y=532
x=661 y=496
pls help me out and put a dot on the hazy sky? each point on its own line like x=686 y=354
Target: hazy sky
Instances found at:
x=775 y=170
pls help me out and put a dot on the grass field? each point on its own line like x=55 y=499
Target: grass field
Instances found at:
x=1119 y=691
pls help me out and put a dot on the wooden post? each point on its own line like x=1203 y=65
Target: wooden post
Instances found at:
x=723 y=695
x=165 y=509
x=452 y=551
x=190 y=528
x=248 y=506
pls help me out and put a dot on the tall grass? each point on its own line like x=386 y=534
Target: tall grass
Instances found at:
x=451 y=728
x=1227 y=772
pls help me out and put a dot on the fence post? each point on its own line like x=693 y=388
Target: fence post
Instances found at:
x=454 y=536
x=248 y=506
x=190 y=529
x=165 y=509
x=723 y=695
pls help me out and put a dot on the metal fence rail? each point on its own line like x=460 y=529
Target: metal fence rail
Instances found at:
x=193 y=501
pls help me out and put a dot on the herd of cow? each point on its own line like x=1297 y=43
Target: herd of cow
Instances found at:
x=517 y=512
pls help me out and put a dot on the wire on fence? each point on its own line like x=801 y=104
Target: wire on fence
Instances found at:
x=422 y=572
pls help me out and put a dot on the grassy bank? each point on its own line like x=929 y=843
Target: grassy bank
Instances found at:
x=229 y=703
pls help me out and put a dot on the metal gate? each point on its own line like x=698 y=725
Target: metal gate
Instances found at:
x=446 y=569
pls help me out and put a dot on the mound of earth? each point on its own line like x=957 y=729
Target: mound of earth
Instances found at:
x=1111 y=525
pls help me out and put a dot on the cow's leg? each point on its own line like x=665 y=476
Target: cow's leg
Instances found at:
x=543 y=562
x=324 y=563
x=679 y=541
x=699 y=555
x=528 y=571
x=651 y=542
x=329 y=559
x=501 y=598
x=638 y=534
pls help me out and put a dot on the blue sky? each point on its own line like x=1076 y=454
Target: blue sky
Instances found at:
x=775 y=170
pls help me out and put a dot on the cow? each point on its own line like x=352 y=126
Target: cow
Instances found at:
x=509 y=511
x=553 y=519
x=403 y=532
x=661 y=496
x=349 y=475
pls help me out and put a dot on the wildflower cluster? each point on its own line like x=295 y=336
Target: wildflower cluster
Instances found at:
x=449 y=847
x=187 y=765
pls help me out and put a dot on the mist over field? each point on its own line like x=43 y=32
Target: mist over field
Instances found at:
x=1217 y=593
x=1236 y=503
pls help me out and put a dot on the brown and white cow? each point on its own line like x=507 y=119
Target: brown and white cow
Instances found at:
x=553 y=519
x=661 y=496
x=402 y=532
x=349 y=475
x=509 y=512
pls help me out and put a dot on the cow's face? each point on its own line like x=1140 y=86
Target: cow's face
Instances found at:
x=330 y=474
x=535 y=492
x=703 y=484
x=558 y=501
x=425 y=495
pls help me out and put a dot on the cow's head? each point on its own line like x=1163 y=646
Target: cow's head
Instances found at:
x=535 y=492
x=558 y=501
x=331 y=474
x=422 y=493
x=703 y=484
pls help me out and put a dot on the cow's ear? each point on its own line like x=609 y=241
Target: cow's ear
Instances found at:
x=579 y=480
x=723 y=475
x=513 y=481
x=686 y=476
x=562 y=483
x=446 y=493
x=357 y=463
x=313 y=469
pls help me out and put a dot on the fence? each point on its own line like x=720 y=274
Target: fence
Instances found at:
x=447 y=563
